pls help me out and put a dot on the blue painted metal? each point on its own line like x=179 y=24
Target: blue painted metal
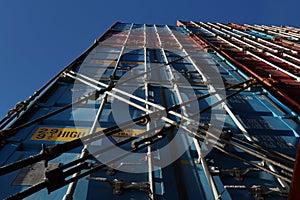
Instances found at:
x=260 y=35
x=261 y=114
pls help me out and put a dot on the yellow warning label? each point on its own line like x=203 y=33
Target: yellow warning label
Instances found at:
x=127 y=133
x=103 y=62
x=132 y=62
x=69 y=134
x=184 y=162
x=59 y=134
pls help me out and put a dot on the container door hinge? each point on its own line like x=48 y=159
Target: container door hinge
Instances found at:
x=236 y=173
x=119 y=186
x=258 y=192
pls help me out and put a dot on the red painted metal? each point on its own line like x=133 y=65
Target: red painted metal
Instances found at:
x=238 y=26
x=277 y=92
x=293 y=29
x=278 y=83
x=288 y=44
x=282 y=42
x=295 y=185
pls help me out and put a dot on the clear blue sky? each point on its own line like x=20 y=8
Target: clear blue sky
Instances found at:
x=40 y=37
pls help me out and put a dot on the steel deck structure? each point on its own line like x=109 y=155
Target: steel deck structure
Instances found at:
x=194 y=111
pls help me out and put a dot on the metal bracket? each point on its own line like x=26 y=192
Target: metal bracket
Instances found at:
x=236 y=173
x=226 y=134
x=257 y=191
x=119 y=186
x=111 y=171
x=56 y=177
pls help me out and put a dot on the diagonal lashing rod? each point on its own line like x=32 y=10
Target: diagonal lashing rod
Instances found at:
x=7 y=133
x=56 y=150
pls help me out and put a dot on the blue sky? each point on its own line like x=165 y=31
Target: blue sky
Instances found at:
x=40 y=37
